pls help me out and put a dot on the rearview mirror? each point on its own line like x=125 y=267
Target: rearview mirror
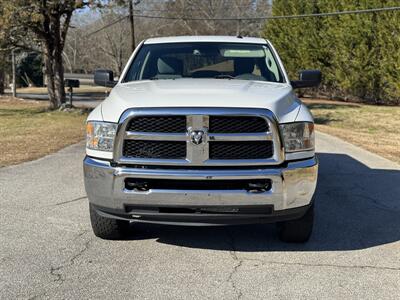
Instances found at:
x=307 y=79
x=104 y=78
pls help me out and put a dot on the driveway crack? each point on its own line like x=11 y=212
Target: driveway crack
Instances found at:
x=37 y=296
x=57 y=271
x=54 y=272
x=70 y=201
x=321 y=265
x=235 y=269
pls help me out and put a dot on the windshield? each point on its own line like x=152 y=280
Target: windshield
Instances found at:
x=204 y=60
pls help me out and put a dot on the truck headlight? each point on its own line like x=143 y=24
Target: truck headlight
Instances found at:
x=100 y=136
x=298 y=136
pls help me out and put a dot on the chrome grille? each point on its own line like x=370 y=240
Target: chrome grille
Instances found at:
x=241 y=150
x=166 y=124
x=237 y=124
x=154 y=149
x=198 y=137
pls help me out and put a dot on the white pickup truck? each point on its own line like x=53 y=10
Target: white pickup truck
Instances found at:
x=202 y=130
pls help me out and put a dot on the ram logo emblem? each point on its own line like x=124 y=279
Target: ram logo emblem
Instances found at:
x=196 y=136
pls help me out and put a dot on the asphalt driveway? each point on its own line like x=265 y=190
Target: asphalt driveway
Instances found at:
x=47 y=249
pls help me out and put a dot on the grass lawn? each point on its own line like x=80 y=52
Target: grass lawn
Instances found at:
x=28 y=131
x=375 y=128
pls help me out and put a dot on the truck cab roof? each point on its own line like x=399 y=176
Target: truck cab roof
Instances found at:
x=205 y=38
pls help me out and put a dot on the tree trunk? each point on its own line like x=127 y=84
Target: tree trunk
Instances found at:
x=49 y=71
x=59 y=76
x=54 y=69
x=1 y=82
x=132 y=25
x=58 y=67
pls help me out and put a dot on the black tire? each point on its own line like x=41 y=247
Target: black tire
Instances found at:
x=297 y=231
x=107 y=228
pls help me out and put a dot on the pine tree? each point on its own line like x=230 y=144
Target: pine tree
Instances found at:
x=358 y=54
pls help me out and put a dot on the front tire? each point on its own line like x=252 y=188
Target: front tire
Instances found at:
x=107 y=228
x=297 y=231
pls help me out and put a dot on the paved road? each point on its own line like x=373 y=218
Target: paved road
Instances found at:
x=90 y=100
x=76 y=96
x=47 y=249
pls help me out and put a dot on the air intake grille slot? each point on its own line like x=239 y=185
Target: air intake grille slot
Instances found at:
x=166 y=124
x=154 y=149
x=237 y=124
x=170 y=184
x=241 y=150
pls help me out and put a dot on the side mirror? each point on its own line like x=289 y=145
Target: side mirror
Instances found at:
x=104 y=78
x=307 y=79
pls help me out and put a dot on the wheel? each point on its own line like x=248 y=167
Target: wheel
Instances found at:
x=297 y=231
x=107 y=228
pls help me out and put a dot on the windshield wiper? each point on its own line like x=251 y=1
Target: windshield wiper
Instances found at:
x=224 y=76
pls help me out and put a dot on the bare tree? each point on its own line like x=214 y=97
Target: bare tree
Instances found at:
x=210 y=10
x=48 y=21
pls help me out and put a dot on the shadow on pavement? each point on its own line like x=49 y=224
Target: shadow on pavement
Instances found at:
x=356 y=208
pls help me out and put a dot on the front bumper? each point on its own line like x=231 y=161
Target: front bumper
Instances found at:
x=291 y=192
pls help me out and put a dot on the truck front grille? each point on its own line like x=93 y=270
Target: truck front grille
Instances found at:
x=241 y=150
x=198 y=137
x=154 y=149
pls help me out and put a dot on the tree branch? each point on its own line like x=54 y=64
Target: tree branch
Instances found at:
x=64 y=29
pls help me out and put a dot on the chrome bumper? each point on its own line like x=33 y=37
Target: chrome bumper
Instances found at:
x=293 y=186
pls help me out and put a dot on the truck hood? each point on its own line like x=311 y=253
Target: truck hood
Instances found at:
x=277 y=97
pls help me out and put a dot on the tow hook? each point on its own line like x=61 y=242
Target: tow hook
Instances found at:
x=136 y=186
x=258 y=187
